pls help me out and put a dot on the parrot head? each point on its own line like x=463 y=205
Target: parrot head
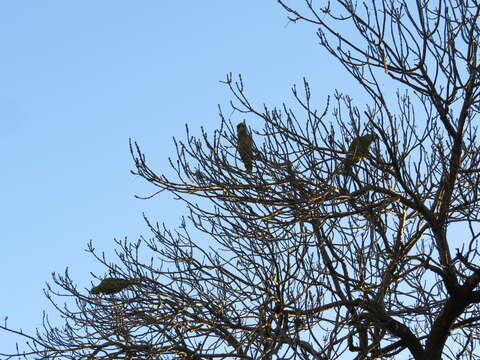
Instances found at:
x=241 y=127
x=371 y=138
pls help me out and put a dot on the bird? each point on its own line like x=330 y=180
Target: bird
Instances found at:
x=112 y=286
x=245 y=146
x=357 y=151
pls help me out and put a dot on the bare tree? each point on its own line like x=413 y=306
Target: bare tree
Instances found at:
x=303 y=261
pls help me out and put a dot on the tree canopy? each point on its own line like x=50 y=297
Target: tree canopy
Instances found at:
x=307 y=263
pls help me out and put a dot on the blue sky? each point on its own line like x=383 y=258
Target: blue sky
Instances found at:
x=80 y=78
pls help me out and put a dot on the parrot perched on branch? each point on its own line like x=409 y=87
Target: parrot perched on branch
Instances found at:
x=245 y=146
x=112 y=286
x=357 y=151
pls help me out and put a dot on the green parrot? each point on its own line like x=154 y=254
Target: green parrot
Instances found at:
x=357 y=151
x=112 y=286
x=245 y=146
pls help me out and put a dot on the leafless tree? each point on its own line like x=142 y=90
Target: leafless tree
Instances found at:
x=297 y=260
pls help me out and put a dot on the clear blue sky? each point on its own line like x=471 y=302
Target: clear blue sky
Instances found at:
x=79 y=78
